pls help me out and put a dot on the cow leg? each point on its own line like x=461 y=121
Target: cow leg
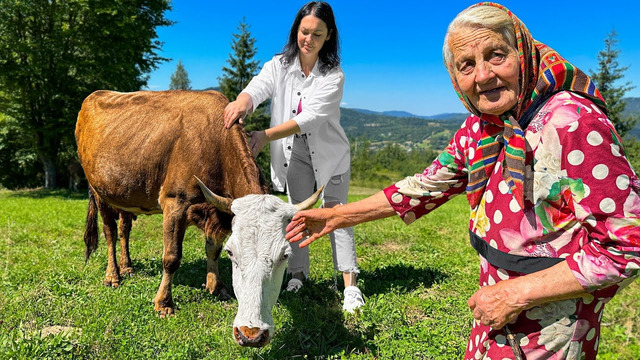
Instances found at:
x=174 y=225
x=124 y=229
x=110 y=229
x=214 y=285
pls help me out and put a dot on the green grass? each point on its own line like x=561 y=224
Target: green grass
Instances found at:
x=416 y=280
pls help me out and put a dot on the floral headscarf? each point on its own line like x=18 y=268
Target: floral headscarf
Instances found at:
x=542 y=73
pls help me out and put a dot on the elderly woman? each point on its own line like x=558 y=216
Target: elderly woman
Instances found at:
x=555 y=206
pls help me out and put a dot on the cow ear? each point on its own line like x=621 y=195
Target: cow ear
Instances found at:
x=197 y=214
x=290 y=213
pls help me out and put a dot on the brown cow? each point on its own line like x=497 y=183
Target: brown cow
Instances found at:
x=140 y=152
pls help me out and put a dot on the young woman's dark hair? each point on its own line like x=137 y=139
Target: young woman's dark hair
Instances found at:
x=328 y=55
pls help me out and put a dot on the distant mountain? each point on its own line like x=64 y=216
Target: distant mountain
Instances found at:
x=394 y=113
x=633 y=107
x=398 y=113
x=457 y=117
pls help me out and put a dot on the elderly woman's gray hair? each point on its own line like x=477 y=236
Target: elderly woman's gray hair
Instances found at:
x=483 y=16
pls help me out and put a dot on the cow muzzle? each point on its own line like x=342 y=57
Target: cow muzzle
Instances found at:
x=252 y=337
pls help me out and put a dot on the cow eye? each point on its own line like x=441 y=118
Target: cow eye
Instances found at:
x=285 y=256
x=230 y=253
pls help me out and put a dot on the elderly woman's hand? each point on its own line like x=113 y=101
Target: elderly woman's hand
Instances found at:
x=497 y=305
x=310 y=225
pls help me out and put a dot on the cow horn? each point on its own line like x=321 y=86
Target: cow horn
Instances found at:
x=220 y=203
x=308 y=204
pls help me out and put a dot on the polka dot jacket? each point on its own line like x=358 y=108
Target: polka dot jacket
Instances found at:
x=587 y=211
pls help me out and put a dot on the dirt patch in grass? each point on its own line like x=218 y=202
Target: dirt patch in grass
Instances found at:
x=392 y=247
x=57 y=329
x=388 y=247
x=415 y=315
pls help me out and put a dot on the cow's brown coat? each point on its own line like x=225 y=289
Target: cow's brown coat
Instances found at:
x=140 y=152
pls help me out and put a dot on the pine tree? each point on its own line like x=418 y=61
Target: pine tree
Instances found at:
x=242 y=68
x=180 y=78
x=605 y=78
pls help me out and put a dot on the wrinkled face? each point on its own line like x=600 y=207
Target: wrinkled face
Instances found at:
x=258 y=252
x=486 y=68
x=312 y=33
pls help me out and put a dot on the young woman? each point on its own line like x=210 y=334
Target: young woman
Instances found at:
x=309 y=148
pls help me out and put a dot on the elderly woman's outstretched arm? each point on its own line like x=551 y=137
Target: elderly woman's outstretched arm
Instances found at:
x=316 y=223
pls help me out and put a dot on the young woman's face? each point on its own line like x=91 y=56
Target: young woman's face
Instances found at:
x=486 y=68
x=312 y=33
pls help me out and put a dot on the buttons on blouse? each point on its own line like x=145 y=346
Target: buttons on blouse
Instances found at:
x=298 y=93
x=293 y=111
x=285 y=165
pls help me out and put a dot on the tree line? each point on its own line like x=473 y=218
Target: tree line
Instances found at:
x=54 y=53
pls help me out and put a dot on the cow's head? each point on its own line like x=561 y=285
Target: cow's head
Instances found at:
x=258 y=251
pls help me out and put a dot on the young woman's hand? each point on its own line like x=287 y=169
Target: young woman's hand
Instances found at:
x=237 y=110
x=258 y=141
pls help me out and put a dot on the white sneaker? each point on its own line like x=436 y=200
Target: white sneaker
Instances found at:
x=353 y=299
x=294 y=285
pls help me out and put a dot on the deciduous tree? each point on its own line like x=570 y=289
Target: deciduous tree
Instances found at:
x=53 y=53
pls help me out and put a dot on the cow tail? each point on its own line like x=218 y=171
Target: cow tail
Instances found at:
x=91 y=227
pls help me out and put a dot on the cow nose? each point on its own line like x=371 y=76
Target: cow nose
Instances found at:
x=252 y=337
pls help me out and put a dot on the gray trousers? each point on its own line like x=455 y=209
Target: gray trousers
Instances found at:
x=300 y=185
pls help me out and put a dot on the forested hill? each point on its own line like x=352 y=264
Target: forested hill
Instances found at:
x=384 y=128
x=633 y=107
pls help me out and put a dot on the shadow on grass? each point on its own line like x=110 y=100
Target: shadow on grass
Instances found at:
x=46 y=193
x=399 y=278
x=316 y=325
x=191 y=273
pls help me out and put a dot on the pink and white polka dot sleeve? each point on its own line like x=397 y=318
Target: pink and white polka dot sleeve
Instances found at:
x=610 y=207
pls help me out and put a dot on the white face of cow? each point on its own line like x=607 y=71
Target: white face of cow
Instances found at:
x=258 y=252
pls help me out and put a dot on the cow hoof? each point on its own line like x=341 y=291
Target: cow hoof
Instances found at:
x=164 y=307
x=112 y=281
x=127 y=271
x=163 y=312
x=221 y=293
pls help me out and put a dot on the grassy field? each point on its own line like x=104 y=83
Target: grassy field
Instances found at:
x=416 y=280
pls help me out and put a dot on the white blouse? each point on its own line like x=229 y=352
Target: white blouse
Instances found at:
x=320 y=97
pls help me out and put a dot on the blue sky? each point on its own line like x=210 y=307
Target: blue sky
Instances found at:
x=391 y=50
